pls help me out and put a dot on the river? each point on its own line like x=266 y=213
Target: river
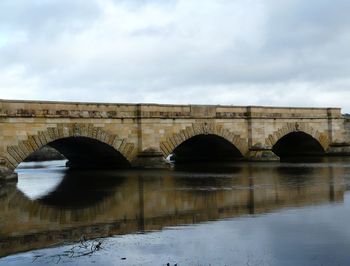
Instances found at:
x=224 y=214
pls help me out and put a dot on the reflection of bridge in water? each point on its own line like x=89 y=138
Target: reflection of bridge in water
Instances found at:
x=155 y=200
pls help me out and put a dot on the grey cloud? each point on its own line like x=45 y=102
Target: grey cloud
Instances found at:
x=311 y=35
x=239 y=52
x=134 y=4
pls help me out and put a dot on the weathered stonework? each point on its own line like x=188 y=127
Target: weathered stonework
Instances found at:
x=131 y=129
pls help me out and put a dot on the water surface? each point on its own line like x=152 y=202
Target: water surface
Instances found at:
x=238 y=214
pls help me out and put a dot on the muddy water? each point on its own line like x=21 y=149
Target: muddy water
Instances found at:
x=238 y=214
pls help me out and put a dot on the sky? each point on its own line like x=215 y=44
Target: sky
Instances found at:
x=235 y=52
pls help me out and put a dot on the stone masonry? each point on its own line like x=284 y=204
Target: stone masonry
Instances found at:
x=138 y=130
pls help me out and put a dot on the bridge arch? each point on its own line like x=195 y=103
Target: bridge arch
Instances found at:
x=303 y=132
x=18 y=152
x=173 y=141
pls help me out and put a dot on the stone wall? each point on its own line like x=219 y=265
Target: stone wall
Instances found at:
x=347 y=128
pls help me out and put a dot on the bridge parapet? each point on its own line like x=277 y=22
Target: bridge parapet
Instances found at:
x=50 y=109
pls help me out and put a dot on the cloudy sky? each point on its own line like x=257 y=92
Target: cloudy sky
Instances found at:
x=239 y=52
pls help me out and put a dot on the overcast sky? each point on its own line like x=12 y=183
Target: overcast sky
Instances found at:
x=239 y=52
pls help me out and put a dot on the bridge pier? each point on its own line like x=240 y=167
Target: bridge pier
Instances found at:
x=6 y=174
x=339 y=149
x=261 y=153
x=151 y=159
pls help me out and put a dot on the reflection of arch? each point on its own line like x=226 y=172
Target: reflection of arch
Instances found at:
x=296 y=127
x=18 y=152
x=173 y=141
x=79 y=189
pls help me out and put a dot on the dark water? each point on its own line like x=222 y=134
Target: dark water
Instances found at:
x=239 y=214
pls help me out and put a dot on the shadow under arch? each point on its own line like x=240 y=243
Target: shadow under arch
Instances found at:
x=322 y=138
x=84 y=152
x=174 y=140
x=298 y=144
x=82 y=188
x=206 y=148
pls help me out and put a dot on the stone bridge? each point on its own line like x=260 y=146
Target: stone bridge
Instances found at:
x=143 y=135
